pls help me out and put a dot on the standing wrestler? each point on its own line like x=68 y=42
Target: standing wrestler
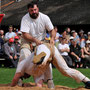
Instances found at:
x=33 y=27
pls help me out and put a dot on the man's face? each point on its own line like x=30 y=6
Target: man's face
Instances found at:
x=10 y=29
x=34 y=12
x=74 y=42
x=64 y=41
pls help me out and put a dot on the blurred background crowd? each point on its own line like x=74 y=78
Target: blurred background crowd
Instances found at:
x=74 y=47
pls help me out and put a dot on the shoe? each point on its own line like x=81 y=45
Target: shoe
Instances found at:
x=87 y=85
x=50 y=84
x=38 y=59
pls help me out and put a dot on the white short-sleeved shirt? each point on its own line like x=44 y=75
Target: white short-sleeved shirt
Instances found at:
x=63 y=46
x=9 y=35
x=36 y=27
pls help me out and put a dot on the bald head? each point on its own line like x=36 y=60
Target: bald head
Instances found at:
x=1 y=32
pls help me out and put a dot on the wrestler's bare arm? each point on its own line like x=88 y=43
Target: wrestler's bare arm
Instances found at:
x=53 y=35
x=29 y=38
x=15 y=79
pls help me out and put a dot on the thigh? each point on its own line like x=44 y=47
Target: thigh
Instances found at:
x=48 y=73
x=24 y=53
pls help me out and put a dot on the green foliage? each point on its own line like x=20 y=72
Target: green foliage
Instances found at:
x=6 y=76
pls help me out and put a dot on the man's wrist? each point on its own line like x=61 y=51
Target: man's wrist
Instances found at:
x=34 y=39
x=53 y=38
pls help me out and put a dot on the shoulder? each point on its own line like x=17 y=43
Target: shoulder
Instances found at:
x=78 y=46
x=13 y=33
x=44 y=15
x=26 y=16
x=7 y=33
x=59 y=44
x=66 y=45
x=71 y=46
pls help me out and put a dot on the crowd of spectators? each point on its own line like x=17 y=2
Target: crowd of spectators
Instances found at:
x=10 y=47
x=73 y=46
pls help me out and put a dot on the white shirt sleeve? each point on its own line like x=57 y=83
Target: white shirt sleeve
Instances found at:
x=24 y=25
x=48 y=24
x=6 y=36
x=59 y=45
x=68 y=46
x=14 y=34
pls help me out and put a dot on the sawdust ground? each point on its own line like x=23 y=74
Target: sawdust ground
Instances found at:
x=31 y=86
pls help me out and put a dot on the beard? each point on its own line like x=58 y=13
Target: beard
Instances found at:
x=34 y=15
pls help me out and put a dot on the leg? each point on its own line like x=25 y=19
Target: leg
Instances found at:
x=24 y=53
x=14 y=63
x=61 y=65
x=48 y=74
x=68 y=60
x=11 y=62
x=48 y=77
x=39 y=80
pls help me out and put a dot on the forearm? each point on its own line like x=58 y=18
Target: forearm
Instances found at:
x=65 y=50
x=53 y=34
x=82 y=52
x=28 y=37
x=86 y=52
x=72 y=53
x=15 y=79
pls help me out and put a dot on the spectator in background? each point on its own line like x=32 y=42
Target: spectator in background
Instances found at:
x=15 y=30
x=1 y=43
x=57 y=36
x=71 y=40
x=11 y=55
x=2 y=34
x=10 y=34
x=17 y=45
x=81 y=33
x=65 y=35
x=82 y=38
x=87 y=51
x=76 y=36
x=19 y=34
x=48 y=36
x=77 y=54
x=60 y=38
x=1 y=47
x=89 y=36
x=68 y=31
x=64 y=50
x=1 y=50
